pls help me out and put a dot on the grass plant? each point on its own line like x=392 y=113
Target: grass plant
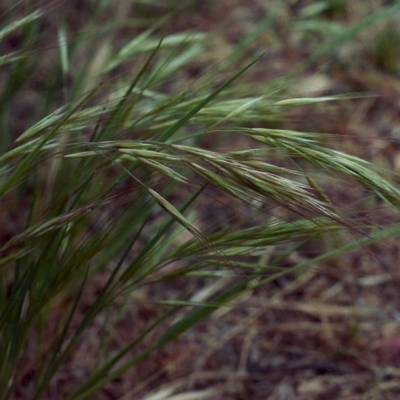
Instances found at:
x=105 y=183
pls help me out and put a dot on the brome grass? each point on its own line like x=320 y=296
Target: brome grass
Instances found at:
x=105 y=183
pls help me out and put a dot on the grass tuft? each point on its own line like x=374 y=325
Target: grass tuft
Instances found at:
x=107 y=176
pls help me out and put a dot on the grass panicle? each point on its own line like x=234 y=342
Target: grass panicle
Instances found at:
x=107 y=180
